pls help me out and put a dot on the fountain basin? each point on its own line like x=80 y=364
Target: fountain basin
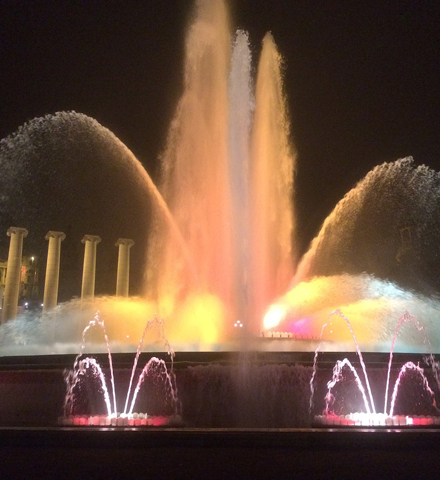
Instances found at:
x=215 y=389
x=227 y=429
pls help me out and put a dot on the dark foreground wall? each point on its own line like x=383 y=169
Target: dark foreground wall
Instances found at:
x=212 y=454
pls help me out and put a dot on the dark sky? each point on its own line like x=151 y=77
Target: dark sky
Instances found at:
x=362 y=78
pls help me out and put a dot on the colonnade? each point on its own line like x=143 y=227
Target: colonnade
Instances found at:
x=50 y=299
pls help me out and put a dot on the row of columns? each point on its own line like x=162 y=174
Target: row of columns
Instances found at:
x=50 y=299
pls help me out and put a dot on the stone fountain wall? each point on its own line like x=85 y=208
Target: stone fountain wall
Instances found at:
x=226 y=393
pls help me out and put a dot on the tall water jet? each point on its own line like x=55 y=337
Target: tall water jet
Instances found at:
x=227 y=177
x=241 y=106
x=271 y=186
x=195 y=177
x=220 y=248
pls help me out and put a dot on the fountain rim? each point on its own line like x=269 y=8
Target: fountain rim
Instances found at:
x=326 y=360
x=293 y=438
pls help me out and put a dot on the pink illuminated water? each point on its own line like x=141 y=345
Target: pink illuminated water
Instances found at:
x=371 y=418
x=419 y=371
x=77 y=375
x=158 y=370
x=154 y=367
x=337 y=377
x=358 y=351
x=150 y=324
x=74 y=375
x=405 y=318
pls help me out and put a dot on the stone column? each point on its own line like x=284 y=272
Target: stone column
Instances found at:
x=50 y=299
x=88 y=278
x=123 y=278
x=12 y=284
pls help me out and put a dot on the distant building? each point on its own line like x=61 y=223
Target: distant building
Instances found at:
x=29 y=285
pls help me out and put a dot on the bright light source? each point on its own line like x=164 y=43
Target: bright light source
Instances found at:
x=238 y=324
x=273 y=316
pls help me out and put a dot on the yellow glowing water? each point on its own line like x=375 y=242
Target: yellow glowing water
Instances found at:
x=227 y=179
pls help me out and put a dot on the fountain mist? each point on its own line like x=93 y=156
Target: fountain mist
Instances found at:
x=386 y=226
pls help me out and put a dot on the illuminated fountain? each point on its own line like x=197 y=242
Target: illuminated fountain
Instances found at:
x=87 y=380
x=220 y=247
x=218 y=240
x=227 y=179
x=342 y=404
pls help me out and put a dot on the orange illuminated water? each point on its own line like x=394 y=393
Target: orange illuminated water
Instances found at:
x=227 y=176
x=272 y=166
x=221 y=246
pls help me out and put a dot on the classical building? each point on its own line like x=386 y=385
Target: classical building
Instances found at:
x=29 y=286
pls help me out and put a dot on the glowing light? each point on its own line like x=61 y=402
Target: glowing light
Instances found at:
x=358 y=419
x=199 y=318
x=238 y=324
x=274 y=316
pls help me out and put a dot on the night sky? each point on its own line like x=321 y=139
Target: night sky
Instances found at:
x=361 y=77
